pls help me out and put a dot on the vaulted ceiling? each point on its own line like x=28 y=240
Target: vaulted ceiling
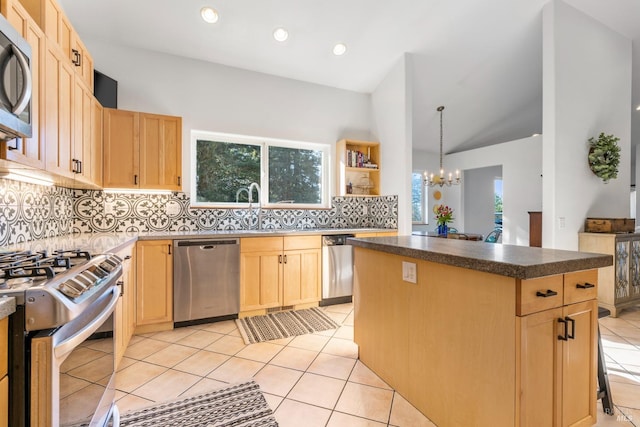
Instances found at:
x=482 y=60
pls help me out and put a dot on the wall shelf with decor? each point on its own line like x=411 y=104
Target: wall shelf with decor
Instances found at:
x=358 y=168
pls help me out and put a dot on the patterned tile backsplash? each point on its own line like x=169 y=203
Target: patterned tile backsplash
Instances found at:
x=31 y=212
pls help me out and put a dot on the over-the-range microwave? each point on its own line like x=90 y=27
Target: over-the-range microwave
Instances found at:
x=15 y=83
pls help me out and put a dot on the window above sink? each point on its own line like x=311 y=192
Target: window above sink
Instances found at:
x=290 y=174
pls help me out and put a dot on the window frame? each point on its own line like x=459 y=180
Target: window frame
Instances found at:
x=264 y=143
x=424 y=200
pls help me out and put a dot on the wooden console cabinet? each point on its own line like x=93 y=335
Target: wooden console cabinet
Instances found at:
x=619 y=284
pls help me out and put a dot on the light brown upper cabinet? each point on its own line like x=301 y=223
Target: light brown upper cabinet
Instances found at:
x=56 y=26
x=58 y=110
x=72 y=149
x=28 y=151
x=142 y=150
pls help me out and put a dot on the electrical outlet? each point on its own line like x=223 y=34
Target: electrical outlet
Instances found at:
x=409 y=272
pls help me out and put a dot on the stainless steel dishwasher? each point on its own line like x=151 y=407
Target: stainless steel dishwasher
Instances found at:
x=206 y=280
x=337 y=269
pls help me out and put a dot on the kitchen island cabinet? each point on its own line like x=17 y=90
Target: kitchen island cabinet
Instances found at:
x=154 y=285
x=488 y=335
x=279 y=272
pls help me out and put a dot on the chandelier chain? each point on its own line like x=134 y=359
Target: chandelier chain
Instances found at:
x=441 y=181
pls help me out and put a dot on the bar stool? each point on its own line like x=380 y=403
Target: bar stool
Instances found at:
x=604 y=391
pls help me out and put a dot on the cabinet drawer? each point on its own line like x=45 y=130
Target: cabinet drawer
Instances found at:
x=261 y=244
x=302 y=242
x=580 y=286
x=539 y=294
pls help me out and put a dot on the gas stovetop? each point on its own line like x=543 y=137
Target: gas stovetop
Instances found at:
x=55 y=287
x=22 y=269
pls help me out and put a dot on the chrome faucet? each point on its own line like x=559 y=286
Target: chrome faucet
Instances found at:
x=250 y=190
x=240 y=191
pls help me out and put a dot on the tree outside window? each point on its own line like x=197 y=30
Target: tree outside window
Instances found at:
x=291 y=173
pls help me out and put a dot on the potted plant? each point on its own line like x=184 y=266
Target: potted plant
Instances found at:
x=604 y=156
x=444 y=215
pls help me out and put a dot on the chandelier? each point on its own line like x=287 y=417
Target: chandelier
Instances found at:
x=432 y=181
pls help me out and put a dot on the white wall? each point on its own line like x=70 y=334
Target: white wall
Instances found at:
x=586 y=90
x=218 y=98
x=521 y=162
x=479 y=199
x=392 y=107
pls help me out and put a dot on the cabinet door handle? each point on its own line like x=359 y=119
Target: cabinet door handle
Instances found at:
x=79 y=166
x=169 y=248
x=127 y=257
x=566 y=329
x=585 y=286
x=74 y=168
x=279 y=259
x=15 y=147
x=135 y=179
x=572 y=335
x=179 y=181
x=121 y=284
x=77 y=58
x=549 y=293
x=285 y=259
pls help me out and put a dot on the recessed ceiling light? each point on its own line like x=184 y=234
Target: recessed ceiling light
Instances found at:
x=209 y=15
x=339 y=49
x=280 y=34
x=638 y=108
x=535 y=134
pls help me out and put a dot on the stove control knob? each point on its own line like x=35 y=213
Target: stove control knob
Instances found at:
x=31 y=299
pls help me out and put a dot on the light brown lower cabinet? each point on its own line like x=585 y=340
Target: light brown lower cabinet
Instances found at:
x=4 y=401
x=4 y=378
x=472 y=348
x=125 y=312
x=154 y=285
x=279 y=271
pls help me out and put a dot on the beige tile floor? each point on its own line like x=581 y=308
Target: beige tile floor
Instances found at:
x=316 y=379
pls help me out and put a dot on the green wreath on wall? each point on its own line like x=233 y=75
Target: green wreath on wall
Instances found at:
x=604 y=156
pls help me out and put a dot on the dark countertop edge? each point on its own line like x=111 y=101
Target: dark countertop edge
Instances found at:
x=187 y=235
x=582 y=260
x=7 y=306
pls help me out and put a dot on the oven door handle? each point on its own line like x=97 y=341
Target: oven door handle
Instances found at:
x=76 y=339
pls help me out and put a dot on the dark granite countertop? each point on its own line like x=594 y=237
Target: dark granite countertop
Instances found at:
x=520 y=262
x=7 y=306
x=97 y=243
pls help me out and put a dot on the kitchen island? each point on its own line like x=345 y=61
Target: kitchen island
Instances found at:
x=480 y=334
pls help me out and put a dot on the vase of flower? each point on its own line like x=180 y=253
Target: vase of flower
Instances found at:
x=444 y=215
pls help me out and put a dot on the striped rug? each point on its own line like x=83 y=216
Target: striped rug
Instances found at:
x=240 y=405
x=284 y=324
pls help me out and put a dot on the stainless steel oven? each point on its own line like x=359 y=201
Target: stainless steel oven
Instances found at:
x=61 y=365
